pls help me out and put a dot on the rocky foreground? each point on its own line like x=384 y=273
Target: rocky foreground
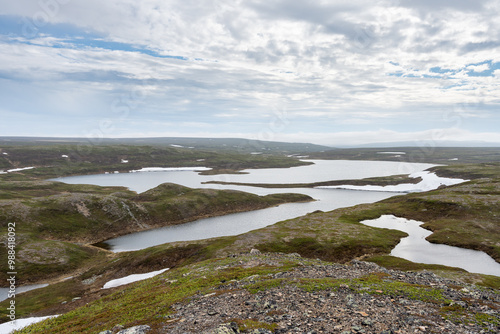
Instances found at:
x=319 y=297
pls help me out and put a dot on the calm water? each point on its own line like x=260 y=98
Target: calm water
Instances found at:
x=239 y=223
x=4 y=292
x=416 y=249
x=322 y=170
x=325 y=199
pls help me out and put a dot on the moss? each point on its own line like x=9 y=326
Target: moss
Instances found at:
x=392 y=262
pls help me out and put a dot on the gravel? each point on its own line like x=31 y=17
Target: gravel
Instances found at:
x=355 y=308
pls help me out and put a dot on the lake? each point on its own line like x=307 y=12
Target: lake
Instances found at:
x=416 y=249
x=233 y=224
x=321 y=170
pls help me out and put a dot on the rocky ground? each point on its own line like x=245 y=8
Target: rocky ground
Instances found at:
x=359 y=297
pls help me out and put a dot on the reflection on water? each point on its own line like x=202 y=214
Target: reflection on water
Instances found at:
x=238 y=223
x=325 y=199
x=321 y=170
x=4 y=292
x=416 y=249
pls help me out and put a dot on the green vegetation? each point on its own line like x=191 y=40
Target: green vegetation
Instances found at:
x=373 y=181
x=424 y=154
x=50 y=230
x=465 y=215
x=56 y=223
x=58 y=160
x=156 y=296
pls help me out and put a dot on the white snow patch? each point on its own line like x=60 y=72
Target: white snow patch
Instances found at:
x=430 y=181
x=173 y=145
x=170 y=169
x=5 y=153
x=454 y=159
x=64 y=156
x=18 y=324
x=199 y=160
x=391 y=153
x=116 y=172
x=19 y=169
x=2 y=172
x=131 y=279
x=256 y=153
x=124 y=161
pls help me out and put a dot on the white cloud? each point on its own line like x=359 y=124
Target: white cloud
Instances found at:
x=334 y=62
x=479 y=68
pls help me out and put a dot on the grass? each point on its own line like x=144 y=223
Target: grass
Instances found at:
x=59 y=218
x=87 y=158
x=465 y=215
x=150 y=302
x=375 y=181
x=425 y=154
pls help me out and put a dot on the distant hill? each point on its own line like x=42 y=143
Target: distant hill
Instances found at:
x=426 y=143
x=227 y=144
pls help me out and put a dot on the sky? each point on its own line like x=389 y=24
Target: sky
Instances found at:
x=327 y=72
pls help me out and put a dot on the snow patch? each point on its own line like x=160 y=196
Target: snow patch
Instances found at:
x=430 y=181
x=170 y=169
x=64 y=156
x=19 y=169
x=124 y=161
x=18 y=324
x=391 y=152
x=173 y=145
x=131 y=279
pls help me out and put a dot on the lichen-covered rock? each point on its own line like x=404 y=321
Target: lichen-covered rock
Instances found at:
x=231 y=328
x=143 y=329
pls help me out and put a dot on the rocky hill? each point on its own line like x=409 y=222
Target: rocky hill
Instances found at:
x=280 y=293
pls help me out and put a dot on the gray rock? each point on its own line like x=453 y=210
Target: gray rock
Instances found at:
x=254 y=251
x=231 y=328
x=117 y=328
x=106 y=332
x=143 y=329
x=261 y=331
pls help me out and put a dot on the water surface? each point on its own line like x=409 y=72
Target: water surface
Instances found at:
x=416 y=249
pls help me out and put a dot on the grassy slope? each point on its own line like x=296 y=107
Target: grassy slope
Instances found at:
x=465 y=215
x=423 y=154
x=156 y=296
x=373 y=181
x=455 y=213
x=55 y=221
x=91 y=159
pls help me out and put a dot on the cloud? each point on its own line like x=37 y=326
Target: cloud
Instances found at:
x=347 y=67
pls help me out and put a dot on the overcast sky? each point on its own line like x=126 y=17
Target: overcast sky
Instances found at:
x=329 y=72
